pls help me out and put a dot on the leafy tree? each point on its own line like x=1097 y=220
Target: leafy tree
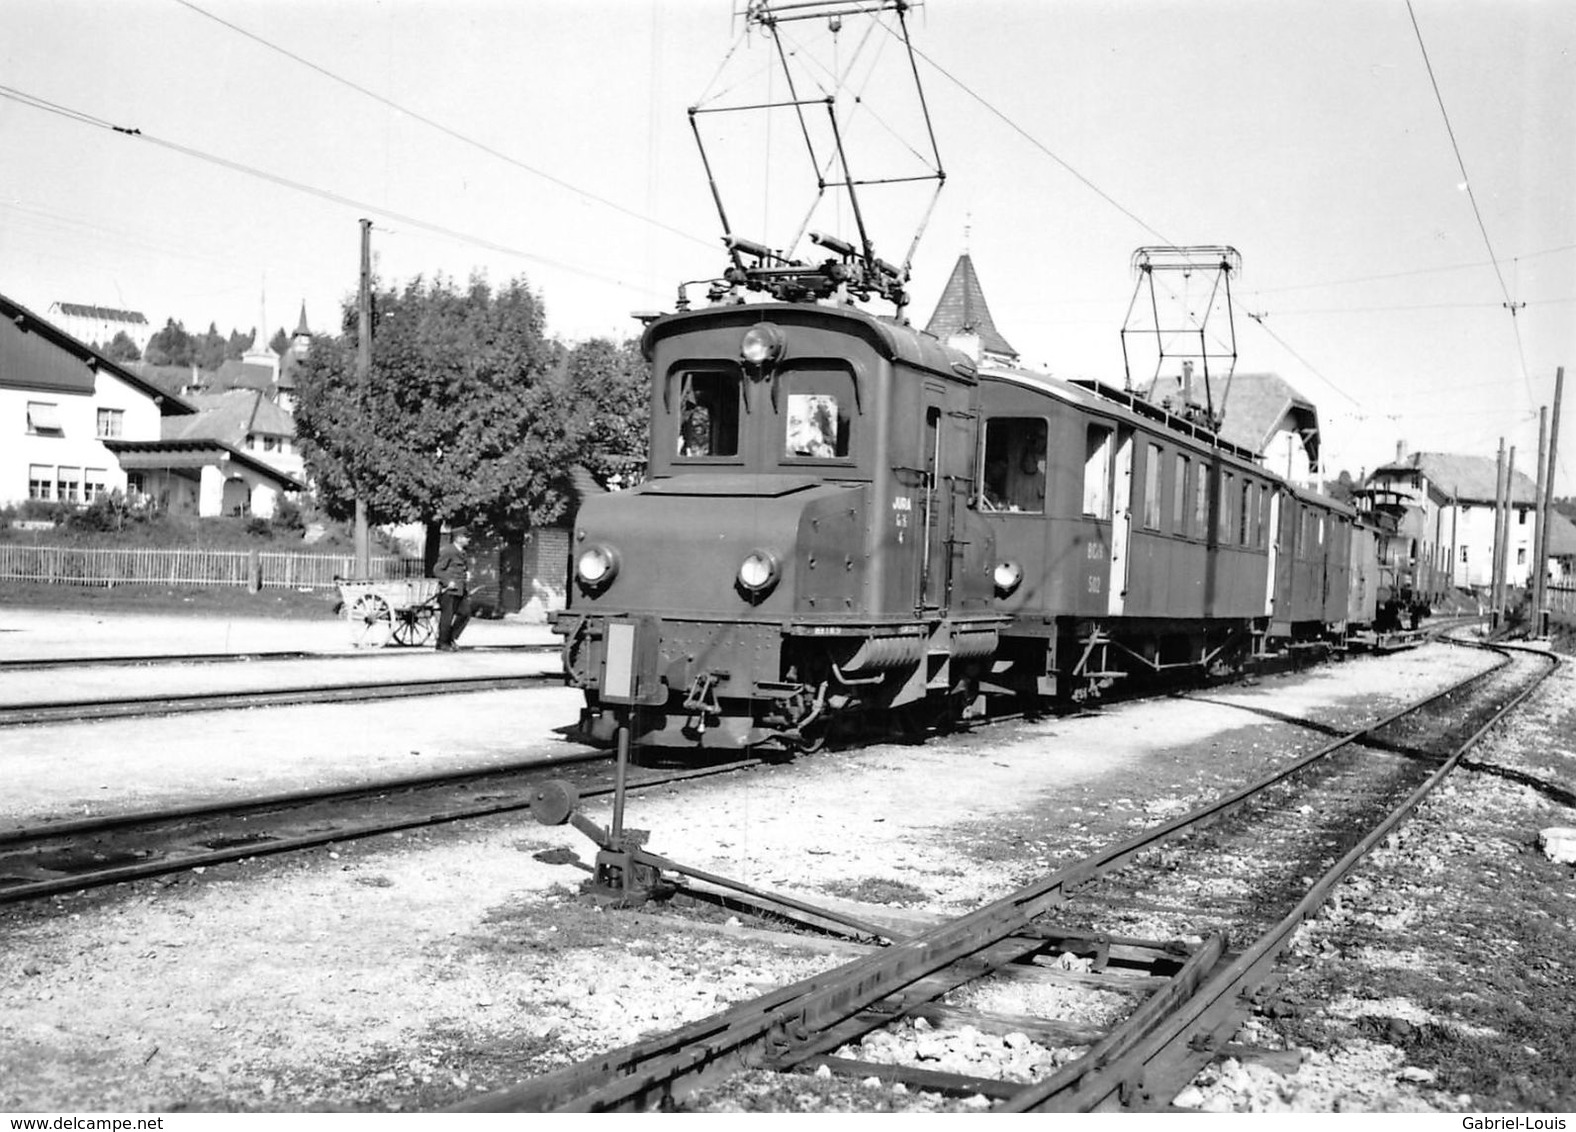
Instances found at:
x=280 y=342
x=237 y=345
x=122 y=349
x=208 y=350
x=1340 y=489
x=171 y=346
x=608 y=414
x=462 y=417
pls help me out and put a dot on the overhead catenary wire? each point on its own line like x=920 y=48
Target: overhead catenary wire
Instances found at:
x=1477 y=213
x=1119 y=206
x=446 y=130
x=136 y=134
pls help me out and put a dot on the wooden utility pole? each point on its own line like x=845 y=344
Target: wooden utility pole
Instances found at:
x=1499 y=533
x=1548 y=489
x=1535 y=581
x=363 y=376
x=1510 y=513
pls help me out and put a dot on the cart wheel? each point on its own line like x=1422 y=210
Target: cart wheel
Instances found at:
x=415 y=626
x=371 y=622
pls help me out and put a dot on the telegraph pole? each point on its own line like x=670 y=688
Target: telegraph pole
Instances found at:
x=363 y=376
x=1499 y=534
x=1535 y=582
x=1548 y=488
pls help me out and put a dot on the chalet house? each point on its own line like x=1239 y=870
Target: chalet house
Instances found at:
x=62 y=406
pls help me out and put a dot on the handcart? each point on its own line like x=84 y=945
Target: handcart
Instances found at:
x=405 y=611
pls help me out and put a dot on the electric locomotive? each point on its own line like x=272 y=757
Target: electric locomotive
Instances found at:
x=803 y=546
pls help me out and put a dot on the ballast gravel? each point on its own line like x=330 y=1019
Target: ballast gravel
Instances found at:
x=417 y=971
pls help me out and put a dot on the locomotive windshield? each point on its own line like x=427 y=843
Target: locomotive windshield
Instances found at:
x=815 y=414
x=709 y=415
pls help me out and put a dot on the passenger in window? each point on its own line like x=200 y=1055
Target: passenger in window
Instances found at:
x=995 y=495
x=695 y=430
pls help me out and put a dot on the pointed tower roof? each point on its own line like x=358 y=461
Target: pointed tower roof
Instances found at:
x=962 y=309
x=301 y=327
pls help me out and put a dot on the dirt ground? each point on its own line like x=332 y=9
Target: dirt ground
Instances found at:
x=410 y=972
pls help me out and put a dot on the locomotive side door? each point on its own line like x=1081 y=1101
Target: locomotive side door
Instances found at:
x=934 y=553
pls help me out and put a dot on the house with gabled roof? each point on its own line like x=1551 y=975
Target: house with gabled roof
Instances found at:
x=1459 y=492
x=62 y=407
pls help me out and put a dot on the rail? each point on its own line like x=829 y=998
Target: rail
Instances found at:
x=104 y=566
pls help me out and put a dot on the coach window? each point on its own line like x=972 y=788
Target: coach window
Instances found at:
x=1201 y=503
x=1097 y=472
x=1152 y=470
x=1014 y=473
x=708 y=415
x=1243 y=518
x=816 y=407
x=1225 y=507
x=1179 y=497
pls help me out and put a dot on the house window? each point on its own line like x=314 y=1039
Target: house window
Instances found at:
x=1463 y=554
x=1014 y=478
x=40 y=482
x=1521 y=556
x=111 y=422
x=136 y=487
x=270 y=444
x=43 y=419
x=709 y=415
x=1152 y=488
x=1179 y=497
x=1521 y=518
x=1097 y=472
x=95 y=484
x=68 y=485
x=251 y=443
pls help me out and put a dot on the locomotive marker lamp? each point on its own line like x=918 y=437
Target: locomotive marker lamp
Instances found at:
x=762 y=345
x=759 y=573
x=596 y=568
x=1008 y=576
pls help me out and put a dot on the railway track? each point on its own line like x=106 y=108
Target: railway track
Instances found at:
x=32 y=664
x=1250 y=867
x=56 y=857
x=166 y=703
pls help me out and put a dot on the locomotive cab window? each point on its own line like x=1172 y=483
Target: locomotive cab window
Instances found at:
x=815 y=409
x=1014 y=474
x=708 y=423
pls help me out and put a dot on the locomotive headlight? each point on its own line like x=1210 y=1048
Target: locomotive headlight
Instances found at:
x=1007 y=576
x=762 y=345
x=596 y=567
x=758 y=573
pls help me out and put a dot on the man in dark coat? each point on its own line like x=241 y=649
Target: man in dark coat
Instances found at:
x=453 y=571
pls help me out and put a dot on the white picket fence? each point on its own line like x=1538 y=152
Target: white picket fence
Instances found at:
x=74 y=566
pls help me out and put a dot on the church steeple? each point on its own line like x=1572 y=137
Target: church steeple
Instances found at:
x=962 y=313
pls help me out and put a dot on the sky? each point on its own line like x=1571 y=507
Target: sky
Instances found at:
x=1399 y=180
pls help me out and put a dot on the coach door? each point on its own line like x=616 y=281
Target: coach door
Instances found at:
x=1121 y=521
